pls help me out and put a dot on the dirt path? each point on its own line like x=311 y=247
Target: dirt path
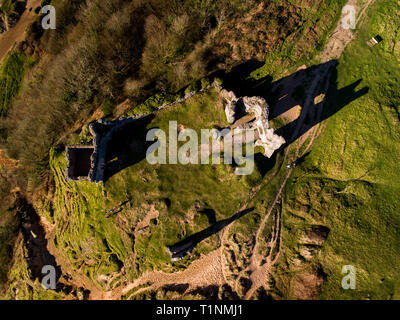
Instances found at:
x=17 y=33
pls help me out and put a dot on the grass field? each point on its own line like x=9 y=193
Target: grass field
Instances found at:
x=348 y=183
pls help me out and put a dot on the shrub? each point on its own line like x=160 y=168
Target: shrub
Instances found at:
x=204 y=83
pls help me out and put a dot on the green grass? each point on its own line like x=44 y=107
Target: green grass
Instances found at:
x=182 y=185
x=83 y=234
x=350 y=180
x=12 y=72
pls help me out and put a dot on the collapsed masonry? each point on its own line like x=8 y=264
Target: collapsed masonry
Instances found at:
x=87 y=162
x=257 y=106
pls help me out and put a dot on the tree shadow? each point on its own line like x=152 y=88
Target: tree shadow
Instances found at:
x=241 y=83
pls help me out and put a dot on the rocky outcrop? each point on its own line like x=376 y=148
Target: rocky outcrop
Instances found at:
x=257 y=106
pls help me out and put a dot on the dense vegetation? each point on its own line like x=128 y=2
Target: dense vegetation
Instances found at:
x=11 y=75
x=12 y=72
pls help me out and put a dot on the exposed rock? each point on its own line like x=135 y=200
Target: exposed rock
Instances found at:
x=231 y=105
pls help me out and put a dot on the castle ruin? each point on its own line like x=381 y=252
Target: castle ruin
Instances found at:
x=235 y=108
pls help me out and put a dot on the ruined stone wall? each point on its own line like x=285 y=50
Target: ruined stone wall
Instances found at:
x=102 y=130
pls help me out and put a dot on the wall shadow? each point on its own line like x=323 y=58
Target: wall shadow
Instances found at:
x=264 y=164
x=301 y=89
x=303 y=99
x=335 y=100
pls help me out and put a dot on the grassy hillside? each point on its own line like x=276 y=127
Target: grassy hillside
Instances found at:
x=113 y=50
x=111 y=233
x=349 y=182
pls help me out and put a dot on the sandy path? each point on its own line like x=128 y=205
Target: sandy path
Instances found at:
x=17 y=33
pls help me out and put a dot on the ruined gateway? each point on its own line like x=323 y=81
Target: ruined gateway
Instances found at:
x=235 y=110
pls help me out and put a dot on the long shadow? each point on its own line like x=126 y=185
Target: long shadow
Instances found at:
x=264 y=164
x=183 y=247
x=127 y=146
x=241 y=83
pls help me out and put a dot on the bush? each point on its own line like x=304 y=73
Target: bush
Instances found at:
x=191 y=88
x=204 y=83
x=218 y=81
